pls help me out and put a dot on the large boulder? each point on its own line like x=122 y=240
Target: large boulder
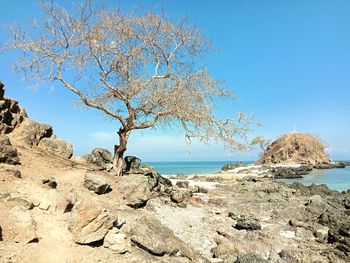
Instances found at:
x=32 y=132
x=117 y=242
x=147 y=233
x=11 y=115
x=23 y=227
x=90 y=222
x=96 y=183
x=295 y=147
x=8 y=153
x=290 y=172
x=137 y=189
x=60 y=147
x=101 y=158
x=132 y=163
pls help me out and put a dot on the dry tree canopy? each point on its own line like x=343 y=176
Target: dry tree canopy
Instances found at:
x=142 y=70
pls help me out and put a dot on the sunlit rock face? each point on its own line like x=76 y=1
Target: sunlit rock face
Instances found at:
x=301 y=148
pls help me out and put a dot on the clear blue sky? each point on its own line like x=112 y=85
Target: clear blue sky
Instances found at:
x=285 y=60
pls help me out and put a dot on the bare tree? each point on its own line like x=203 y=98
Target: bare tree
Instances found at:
x=142 y=70
x=262 y=142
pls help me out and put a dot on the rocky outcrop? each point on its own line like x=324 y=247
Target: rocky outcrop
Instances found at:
x=117 y=242
x=132 y=164
x=96 y=183
x=50 y=182
x=11 y=115
x=31 y=132
x=231 y=166
x=8 y=153
x=14 y=120
x=90 y=222
x=137 y=189
x=148 y=234
x=23 y=225
x=147 y=183
x=295 y=147
x=57 y=146
x=290 y=172
x=247 y=224
x=329 y=209
x=101 y=158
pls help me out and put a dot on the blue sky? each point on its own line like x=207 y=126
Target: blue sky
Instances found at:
x=286 y=61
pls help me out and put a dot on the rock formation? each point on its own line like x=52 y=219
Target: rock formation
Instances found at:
x=101 y=158
x=15 y=122
x=8 y=153
x=300 y=148
x=11 y=115
x=73 y=211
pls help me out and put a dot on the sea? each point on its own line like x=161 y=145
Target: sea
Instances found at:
x=336 y=179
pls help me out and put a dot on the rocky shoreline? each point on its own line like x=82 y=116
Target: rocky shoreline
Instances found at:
x=281 y=171
x=56 y=207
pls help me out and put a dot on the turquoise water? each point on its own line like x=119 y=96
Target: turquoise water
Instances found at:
x=336 y=179
x=168 y=168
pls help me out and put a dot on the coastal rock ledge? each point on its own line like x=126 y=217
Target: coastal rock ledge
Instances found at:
x=296 y=148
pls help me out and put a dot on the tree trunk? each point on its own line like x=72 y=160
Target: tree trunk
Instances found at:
x=119 y=151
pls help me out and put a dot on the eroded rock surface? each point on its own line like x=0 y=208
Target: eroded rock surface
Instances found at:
x=90 y=222
x=8 y=153
x=100 y=157
x=96 y=183
x=147 y=233
x=60 y=147
x=23 y=225
x=31 y=132
x=295 y=147
x=11 y=115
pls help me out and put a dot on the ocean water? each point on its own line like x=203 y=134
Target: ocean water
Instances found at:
x=336 y=179
x=170 y=168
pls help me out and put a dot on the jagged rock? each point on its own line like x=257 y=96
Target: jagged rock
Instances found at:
x=17 y=199
x=96 y=183
x=22 y=225
x=31 y=132
x=66 y=203
x=148 y=234
x=202 y=189
x=11 y=115
x=50 y=182
x=117 y=242
x=177 y=196
x=132 y=163
x=2 y=90
x=90 y=222
x=286 y=255
x=247 y=224
x=182 y=184
x=231 y=166
x=0 y=233
x=8 y=153
x=224 y=250
x=10 y=170
x=321 y=233
x=290 y=172
x=137 y=189
x=101 y=158
x=251 y=258
x=317 y=201
x=60 y=147
x=295 y=148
